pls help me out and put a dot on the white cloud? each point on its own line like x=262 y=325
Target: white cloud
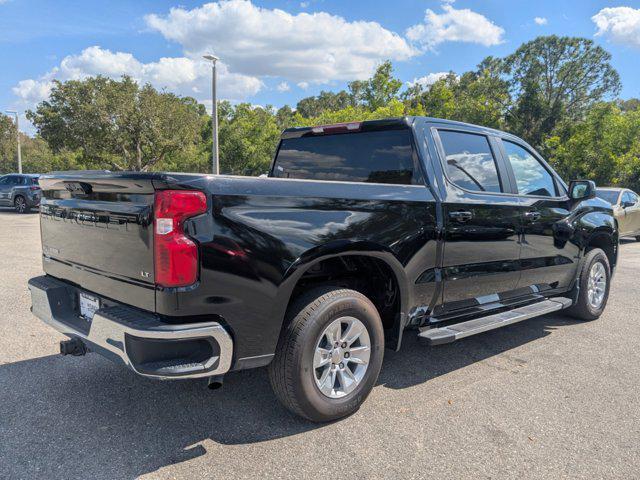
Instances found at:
x=619 y=24
x=306 y=47
x=304 y=4
x=180 y=75
x=455 y=25
x=540 y=21
x=32 y=91
x=303 y=85
x=283 y=87
x=428 y=80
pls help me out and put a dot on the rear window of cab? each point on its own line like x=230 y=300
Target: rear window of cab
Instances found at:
x=384 y=156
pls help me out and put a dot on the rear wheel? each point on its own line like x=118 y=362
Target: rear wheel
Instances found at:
x=20 y=204
x=638 y=238
x=595 y=277
x=329 y=355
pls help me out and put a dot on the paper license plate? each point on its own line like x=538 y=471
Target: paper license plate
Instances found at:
x=88 y=305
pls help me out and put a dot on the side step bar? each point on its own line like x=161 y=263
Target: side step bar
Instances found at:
x=451 y=333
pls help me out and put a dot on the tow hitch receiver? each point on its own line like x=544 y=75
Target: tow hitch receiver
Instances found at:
x=73 y=346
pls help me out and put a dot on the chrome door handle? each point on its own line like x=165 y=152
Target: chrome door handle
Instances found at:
x=461 y=216
x=532 y=216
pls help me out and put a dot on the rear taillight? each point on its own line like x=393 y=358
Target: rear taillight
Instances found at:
x=175 y=254
x=34 y=187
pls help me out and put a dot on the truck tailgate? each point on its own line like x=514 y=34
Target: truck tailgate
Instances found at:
x=97 y=232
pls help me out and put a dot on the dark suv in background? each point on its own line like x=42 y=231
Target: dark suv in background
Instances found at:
x=20 y=191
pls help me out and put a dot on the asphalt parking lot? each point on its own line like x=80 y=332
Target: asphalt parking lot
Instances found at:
x=547 y=398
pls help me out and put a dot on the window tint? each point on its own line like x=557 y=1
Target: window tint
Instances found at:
x=610 y=196
x=4 y=180
x=378 y=157
x=469 y=161
x=531 y=177
x=634 y=197
x=13 y=180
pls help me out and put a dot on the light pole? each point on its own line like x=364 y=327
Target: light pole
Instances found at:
x=13 y=112
x=214 y=115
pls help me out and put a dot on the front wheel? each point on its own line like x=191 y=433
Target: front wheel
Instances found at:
x=594 y=280
x=329 y=355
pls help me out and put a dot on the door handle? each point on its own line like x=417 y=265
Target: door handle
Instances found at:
x=461 y=216
x=532 y=216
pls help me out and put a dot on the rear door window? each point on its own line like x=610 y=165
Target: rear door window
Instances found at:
x=469 y=161
x=609 y=196
x=384 y=156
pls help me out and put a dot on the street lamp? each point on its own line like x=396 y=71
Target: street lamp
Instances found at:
x=13 y=112
x=214 y=115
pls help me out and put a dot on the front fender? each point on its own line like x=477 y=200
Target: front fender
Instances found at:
x=592 y=225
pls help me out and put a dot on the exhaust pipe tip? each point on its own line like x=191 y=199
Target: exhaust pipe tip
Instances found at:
x=73 y=346
x=215 y=382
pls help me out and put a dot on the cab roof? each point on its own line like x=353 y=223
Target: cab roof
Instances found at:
x=382 y=124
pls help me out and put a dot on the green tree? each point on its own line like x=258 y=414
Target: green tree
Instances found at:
x=37 y=157
x=605 y=147
x=377 y=91
x=553 y=79
x=8 y=161
x=285 y=117
x=116 y=123
x=629 y=105
x=325 y=101
x=475 y=97
x=395 y=108
x=248 y=138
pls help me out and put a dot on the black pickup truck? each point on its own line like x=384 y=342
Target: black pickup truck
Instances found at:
x=361 y=231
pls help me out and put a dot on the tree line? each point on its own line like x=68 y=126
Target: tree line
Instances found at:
x=558 y=93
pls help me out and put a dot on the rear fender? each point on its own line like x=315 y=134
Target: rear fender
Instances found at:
x=338 y=249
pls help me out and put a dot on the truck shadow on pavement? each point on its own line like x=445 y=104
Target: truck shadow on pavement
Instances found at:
x=62 y=417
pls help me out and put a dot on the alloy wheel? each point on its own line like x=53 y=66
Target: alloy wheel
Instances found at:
x=20 y=205
x=341 y=357
x=597 y=285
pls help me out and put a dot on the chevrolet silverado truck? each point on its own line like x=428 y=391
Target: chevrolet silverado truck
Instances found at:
x=361 y=233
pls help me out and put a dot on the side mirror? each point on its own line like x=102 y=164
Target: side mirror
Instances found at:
x=582 y=189
x=627 y=204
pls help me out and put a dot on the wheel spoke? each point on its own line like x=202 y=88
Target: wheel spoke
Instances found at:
x=347 y=381
x=353 y=332
x=321 y=357
x=333 y=332
x=326 y=381
x=330 y=382
x=360 y=355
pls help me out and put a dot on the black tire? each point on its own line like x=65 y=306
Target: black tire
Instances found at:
x=582 y=309
x=638 y=238
x=20 y=204
x=291 y=372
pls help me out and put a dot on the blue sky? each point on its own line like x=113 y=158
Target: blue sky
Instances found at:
x=276 y=52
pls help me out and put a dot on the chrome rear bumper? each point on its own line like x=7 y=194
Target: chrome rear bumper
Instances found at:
x=140 y=340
